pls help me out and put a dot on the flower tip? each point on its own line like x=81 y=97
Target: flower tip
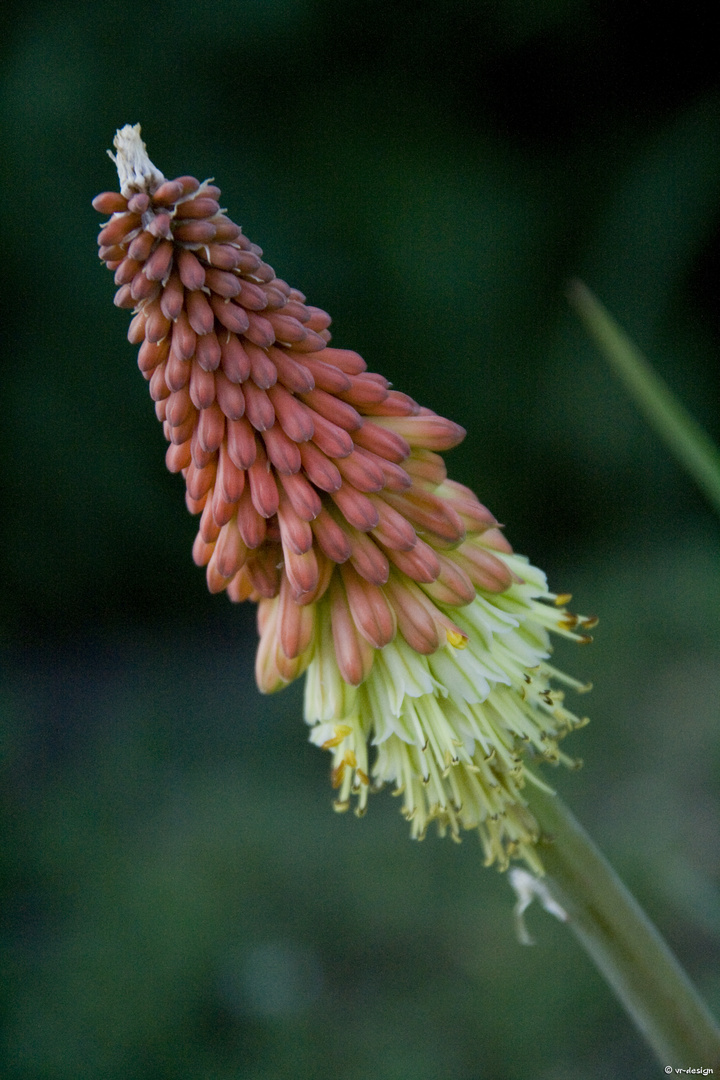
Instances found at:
x=457 y=639
x=340 y=732
x=562 y=599
x=136 y=171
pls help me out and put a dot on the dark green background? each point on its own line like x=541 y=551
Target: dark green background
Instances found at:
x=179 y=901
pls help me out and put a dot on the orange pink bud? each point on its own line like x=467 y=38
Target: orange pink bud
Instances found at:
x=370 y=609
x=354 y=654
x=483 y=568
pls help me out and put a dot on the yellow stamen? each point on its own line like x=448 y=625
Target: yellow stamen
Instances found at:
x=341 y=731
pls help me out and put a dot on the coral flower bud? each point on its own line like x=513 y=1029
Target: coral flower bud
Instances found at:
x=324 y=499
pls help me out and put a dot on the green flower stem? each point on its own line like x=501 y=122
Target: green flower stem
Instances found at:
x=623 y=943
x=683 y=435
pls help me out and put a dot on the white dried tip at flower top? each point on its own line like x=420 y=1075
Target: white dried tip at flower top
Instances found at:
x=324 y=498
x=136 y=171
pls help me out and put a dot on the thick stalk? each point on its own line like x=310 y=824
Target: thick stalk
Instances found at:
x=623 y=943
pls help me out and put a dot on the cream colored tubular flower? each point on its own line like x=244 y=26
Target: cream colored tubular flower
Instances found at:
x=323 y=498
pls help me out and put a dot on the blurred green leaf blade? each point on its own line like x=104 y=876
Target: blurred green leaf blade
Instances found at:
x=685 y=438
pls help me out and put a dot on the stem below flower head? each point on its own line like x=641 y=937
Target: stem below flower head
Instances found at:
x=622 y=942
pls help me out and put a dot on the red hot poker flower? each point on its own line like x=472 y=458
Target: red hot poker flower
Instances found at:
x=324 y=499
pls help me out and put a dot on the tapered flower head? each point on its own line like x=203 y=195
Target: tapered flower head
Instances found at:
x=323 y=498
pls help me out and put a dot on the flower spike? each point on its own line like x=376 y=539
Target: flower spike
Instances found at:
x=324 y=500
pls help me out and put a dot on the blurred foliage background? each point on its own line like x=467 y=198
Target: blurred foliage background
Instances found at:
x=178 y=899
